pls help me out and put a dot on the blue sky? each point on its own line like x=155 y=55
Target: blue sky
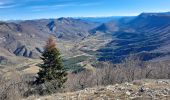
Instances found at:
x=35 y=9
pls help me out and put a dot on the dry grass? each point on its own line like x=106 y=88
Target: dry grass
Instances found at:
x=12 y=85
x=113 y=92
x=31 y=70
x=103 y=75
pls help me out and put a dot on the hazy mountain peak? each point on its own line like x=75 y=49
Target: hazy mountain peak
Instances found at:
x=154 y=14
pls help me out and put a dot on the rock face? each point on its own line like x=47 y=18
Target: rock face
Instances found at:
x=152 y=90
x=3 y=60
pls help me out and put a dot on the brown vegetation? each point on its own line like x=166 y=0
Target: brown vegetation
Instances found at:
x=131 y=69
x=13 y=85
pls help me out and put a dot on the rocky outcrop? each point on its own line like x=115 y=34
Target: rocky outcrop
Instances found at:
x=25 y=52
x=136 y=90
x=3 y=60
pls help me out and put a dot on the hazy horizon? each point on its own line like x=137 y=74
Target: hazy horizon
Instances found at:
x=76 y=17
x=38 y=9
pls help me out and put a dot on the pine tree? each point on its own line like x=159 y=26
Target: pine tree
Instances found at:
x=52 y=70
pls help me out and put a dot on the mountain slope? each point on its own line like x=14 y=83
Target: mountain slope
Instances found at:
x=147 y=35
x=106 y=28
x=27 y=38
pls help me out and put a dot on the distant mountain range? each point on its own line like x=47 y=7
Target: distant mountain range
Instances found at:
x=146 y=35
x=101 y=19
x=27 y=38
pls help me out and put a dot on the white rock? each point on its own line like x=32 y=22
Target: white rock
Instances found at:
x=116 y=84
x=128 y=84
x=128 y=93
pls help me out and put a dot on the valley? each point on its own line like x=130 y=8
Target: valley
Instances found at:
x=146 y=36
x=84 y=50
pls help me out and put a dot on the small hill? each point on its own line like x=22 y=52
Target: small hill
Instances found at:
x=107 y=27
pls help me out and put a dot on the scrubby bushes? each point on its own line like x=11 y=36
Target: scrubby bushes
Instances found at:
x=14 y=86
x=72 y=65
x=132 y=68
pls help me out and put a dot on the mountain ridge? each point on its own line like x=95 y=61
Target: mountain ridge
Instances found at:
x=146 y=34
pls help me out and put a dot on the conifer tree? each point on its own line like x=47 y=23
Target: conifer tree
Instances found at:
x=52 y=69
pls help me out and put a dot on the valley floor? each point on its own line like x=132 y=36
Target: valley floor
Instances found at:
x=136 y=90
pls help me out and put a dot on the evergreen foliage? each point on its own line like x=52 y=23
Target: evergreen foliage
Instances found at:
x=52 y=70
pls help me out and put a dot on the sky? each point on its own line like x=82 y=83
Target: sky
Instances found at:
x=36 y=9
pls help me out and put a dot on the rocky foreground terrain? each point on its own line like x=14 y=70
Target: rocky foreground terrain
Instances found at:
x=136 y=90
